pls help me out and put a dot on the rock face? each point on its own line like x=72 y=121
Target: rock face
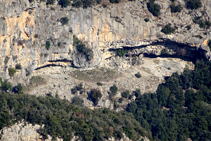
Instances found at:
x=25 y=27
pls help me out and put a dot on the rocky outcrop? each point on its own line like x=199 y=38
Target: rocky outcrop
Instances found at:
x=25 y=27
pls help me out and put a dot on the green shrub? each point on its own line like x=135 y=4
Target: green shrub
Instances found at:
x=95 y=95
x=47 y=45
x=188 y=27
x=175 y=8
x=202 y=23
x=50 y=2
x=153 y=8
x=7 y=58
x=167 y=29
x=81 y=48
x=64 y=3
x=99 y=84
x=125 y=94
x=114 y=1
x=36 y=36
x=146 y=20
x=138 y=75
x=120 y=100
x=12 y=72
x=64 y=20
x=121 y=52
x=18 y=89
x=193 y=4
x=5 y=85
x=113 y=90
x=77 y=101
x=18 y=66
x=74 y=90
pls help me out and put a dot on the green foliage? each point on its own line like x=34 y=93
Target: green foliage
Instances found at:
x=114 y=1
x=18 y=66
x=64 y=20
x=113 y=90
x=81 y=48
x=125 y=94
x=18 y=89
x=121 y=52
x=77 y=101
x=99 y=84
x=175 y=111
x=138 y=75
x=146 y=20
x=36 y=36
x=78 y=88
x=193 y=4
x=62 y=119
x=175 y=9
x=7 y=58
x=47 y=45
x=153 y=8
x=5 y=85
x=95 y=95
x=202 y=23
x=12 y=72
x=188 y=27
x=64 y=3
x=50 y=2
x=120 y=100
x=167 y=29
x=85 y=3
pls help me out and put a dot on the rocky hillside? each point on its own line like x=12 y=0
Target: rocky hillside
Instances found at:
x=35 y=35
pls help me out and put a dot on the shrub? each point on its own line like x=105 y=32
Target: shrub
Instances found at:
x=193 y=4
x=64 y=3
x=95 y=95
x=125 y=94
x=120 y=100
x=99 y=84
x=7 y=58
x=113 y=90
x=188 y=27
x=18 y=89
x=5 y=85
x=50 y=2
x=12 y=72
x=175 y=8
x=47 y=45
x=36 y=36
x=137 y=93
x=64 y=20
x=81 y=48
x=167 y=29
x=18 y=66
x=114 y=1
x=121 y=52
x=138 y=75
x=153 y=8
x=146 y=20
x=77 y=101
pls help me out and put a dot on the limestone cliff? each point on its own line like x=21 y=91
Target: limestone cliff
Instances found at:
x=25 y=27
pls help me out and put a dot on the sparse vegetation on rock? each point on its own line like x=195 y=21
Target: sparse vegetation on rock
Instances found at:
x=81 y=48
x=47 y=45
x=121 y=52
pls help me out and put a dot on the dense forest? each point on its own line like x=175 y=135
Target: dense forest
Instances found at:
x=65 y=119
x=180 y=108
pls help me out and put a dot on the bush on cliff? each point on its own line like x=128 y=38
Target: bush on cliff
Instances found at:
x=64 y=3
x=153 y=8
x=193 y=4
x=167 y=29
x=12 y=72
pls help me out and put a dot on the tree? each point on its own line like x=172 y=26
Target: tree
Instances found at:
x=95 y=95
x=193 y=4
x=47 y=45
x=18 y=89
x=64 y=20
x=77 y=101
x=167 y=29
x=113 y=90
x=153 y=8
x=64 y=3
x=5 y=85
x=12 y=72
x=125 y=94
